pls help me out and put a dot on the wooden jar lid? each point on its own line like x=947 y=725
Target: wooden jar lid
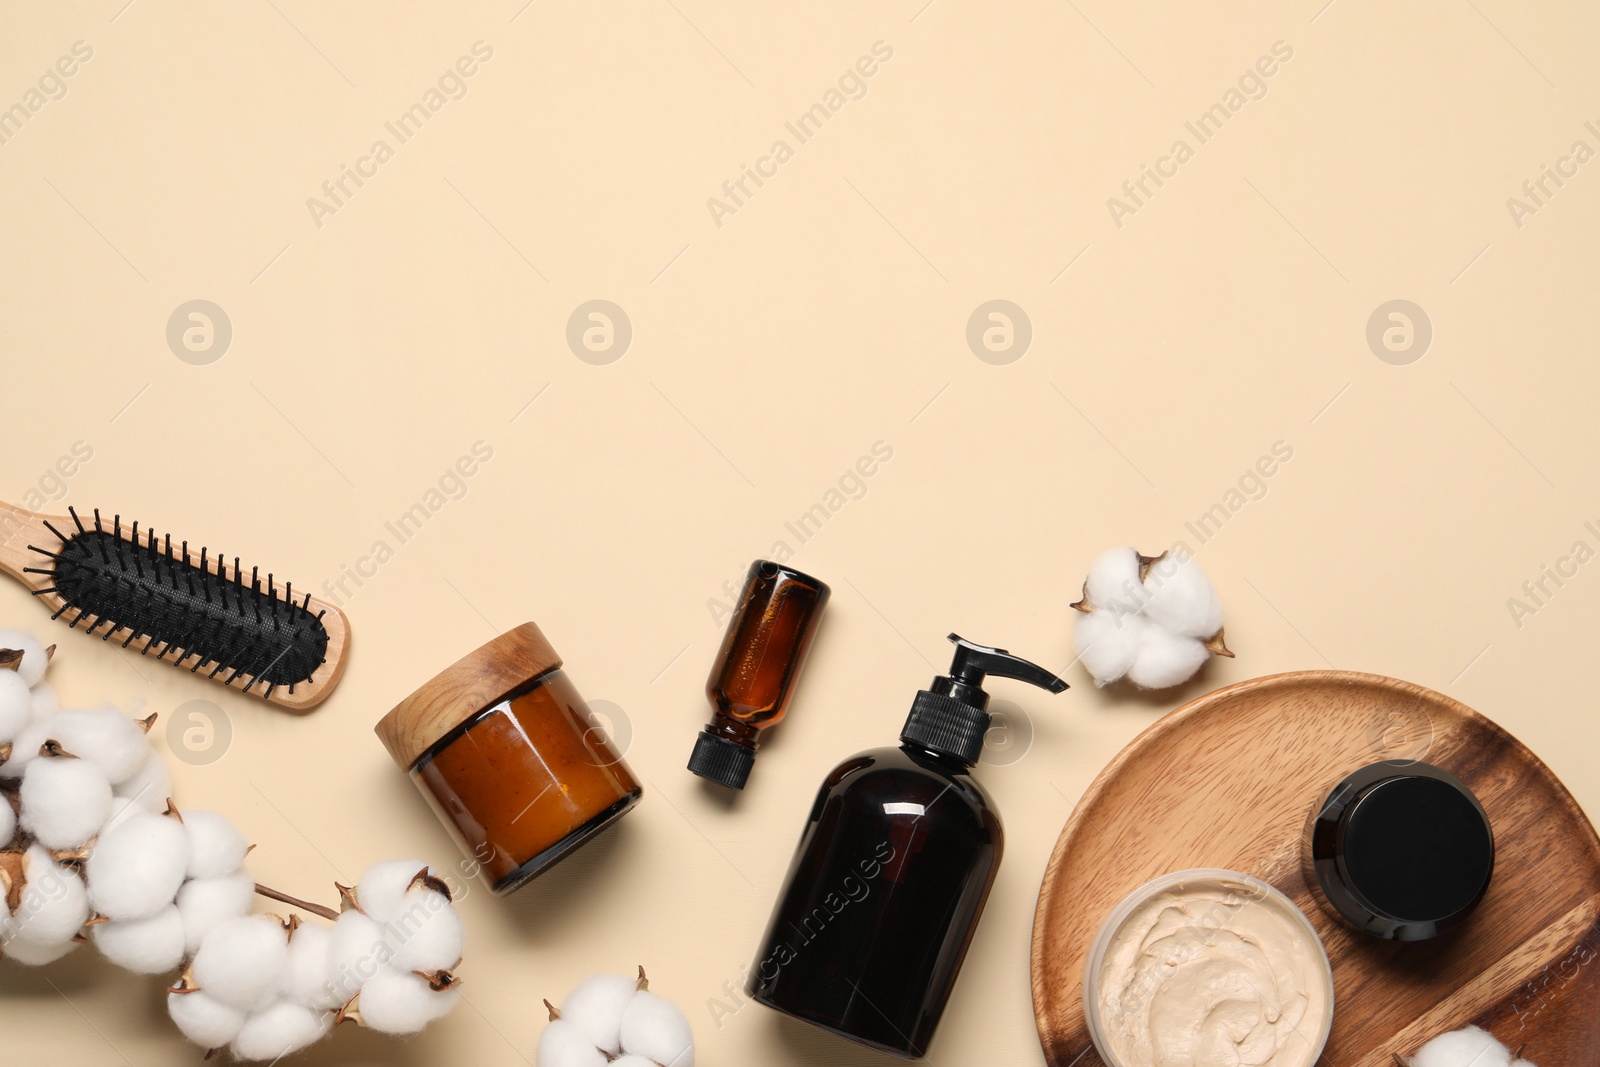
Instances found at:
x=463 y=689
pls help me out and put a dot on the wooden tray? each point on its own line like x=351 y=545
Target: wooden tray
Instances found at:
x=1229 y=780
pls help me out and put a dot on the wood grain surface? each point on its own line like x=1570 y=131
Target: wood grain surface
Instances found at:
x=1230 y=779
x=475 y=681
x=20 y=528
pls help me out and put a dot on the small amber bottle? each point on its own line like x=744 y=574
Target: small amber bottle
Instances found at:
x=754 y=673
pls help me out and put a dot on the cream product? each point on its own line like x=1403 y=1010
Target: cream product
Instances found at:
x=1401 y=850
x=1208 y=968
x=510 y=758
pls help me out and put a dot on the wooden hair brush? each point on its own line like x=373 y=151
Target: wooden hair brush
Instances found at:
x=149 y=595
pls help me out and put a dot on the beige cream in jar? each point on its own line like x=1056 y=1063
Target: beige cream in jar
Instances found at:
x=1208 y=968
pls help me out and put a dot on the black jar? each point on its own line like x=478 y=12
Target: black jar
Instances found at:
x=1401 y=850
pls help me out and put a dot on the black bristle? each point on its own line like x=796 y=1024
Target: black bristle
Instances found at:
x=100 y=540
x=116 y=581
x=74 y=513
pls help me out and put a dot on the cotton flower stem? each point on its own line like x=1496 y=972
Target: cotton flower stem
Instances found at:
x=285 y=898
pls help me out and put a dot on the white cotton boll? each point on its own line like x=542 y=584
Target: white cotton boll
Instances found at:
x=216 y=847
x=121 y=809
x=136 y=868
x=632 y=1060
x=54 y=904
x=305 y=977
x=34 y=660
x=1114 y=579
x=64 y=801
x=104 y=737
x=16 y=705
x=356 y=953
x=203 y=1019
x=1181 y=598
x=564 y=1045
x=278 y=1030
x=428 y=936
x=43 y=702
x=143 y=946
x=1108 y=641
x=596 y=1006
x=25 y=748
x=241 y=962
x=653 y=1027
x=1470 y=1047
x=8 y=822
x=150 y=786
x=381 y=893
x=394 y=1002
x=1165 y=659
x=32 y=953
x=206 y=903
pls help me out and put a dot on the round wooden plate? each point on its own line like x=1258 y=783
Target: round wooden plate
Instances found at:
x=1229 y=780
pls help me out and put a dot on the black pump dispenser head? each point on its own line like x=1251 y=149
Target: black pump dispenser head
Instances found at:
x=950 y=717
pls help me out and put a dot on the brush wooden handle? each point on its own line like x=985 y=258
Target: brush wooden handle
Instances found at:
x=1230 y=779
x=20 y=529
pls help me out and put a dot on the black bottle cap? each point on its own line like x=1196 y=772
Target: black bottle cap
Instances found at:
x=721 y=760
x=950 y=717
x=1402 y=850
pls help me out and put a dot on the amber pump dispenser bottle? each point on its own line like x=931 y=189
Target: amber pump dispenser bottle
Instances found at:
x=753 y=676
x=892 y=872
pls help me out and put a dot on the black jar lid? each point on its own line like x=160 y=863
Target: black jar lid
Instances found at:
x=1402 y=850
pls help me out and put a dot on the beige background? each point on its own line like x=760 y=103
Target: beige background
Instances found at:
x=827 y=313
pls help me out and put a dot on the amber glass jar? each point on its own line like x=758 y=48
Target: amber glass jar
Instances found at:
x=510 y=758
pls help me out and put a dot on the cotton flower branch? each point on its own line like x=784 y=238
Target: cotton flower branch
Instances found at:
x=92 y=848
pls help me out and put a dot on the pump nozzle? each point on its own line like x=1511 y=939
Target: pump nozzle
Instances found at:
x=972 y=661
x=950 y=716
